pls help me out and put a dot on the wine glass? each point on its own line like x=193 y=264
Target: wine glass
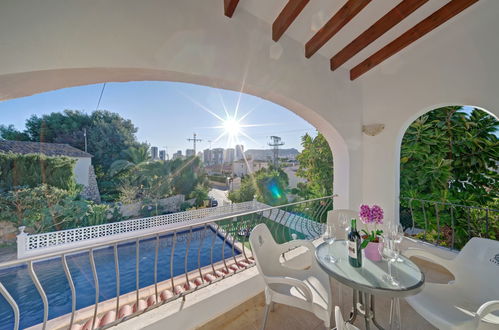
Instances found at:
x=398 y=235
x=329 y=237
x=389 y=254
x=344 y=224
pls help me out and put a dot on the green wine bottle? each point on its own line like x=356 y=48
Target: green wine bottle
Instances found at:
x=354 y=252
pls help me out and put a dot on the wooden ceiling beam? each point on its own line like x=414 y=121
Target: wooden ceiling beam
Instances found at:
x=385 y=23
x=230 y=7
x=288 y=14
x=436 y=19
x=346 y=13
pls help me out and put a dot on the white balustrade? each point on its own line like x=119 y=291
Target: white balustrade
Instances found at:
x=30 y=245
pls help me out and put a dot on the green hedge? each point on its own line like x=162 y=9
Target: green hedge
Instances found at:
x=32 y=170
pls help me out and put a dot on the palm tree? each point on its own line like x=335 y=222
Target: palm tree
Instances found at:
x=132 y=157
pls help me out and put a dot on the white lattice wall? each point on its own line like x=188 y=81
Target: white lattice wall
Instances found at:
x=29 y=245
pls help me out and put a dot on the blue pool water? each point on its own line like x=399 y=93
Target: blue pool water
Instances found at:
x=51 y=274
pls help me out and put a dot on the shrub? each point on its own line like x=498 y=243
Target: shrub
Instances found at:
x=32 y=170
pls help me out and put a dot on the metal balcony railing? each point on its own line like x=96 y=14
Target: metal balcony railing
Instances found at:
x=448 y=224
x=110 y=282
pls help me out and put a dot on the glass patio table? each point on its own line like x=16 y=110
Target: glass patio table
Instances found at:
x=370 y=280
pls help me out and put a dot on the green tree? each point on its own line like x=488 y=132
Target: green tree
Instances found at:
x=316 y=165
x=200 y=193
x=268 y=185
x=11 y=133
x=108 y=134
x=450 y=155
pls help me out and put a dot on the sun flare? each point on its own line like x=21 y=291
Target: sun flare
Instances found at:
x=232 y=127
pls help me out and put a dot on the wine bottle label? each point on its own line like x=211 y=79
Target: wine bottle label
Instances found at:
x=352 y=249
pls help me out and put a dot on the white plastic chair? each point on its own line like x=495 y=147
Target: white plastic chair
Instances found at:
x=471 y=301
x=340 y=322
x=307 y=289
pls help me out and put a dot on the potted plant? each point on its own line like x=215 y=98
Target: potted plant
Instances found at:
x=371 y=216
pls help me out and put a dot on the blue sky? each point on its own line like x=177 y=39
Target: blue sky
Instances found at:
x=167 y=113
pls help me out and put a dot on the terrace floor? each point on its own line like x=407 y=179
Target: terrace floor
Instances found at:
x=249 y=315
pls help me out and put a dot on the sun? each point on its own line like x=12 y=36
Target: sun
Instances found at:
x=232 y=127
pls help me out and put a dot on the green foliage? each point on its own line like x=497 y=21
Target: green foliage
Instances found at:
x=316 y=165
x=108 y=134
x=218 y=178
x=200 y=193
x=47 y=208
x=269 y=186
x=246 y=193
x=450 y=156
x=10 y=133
x=35 y=169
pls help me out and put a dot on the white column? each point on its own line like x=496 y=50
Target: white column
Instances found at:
x=22 y=239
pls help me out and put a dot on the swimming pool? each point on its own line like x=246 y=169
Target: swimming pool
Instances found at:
x=51 y=274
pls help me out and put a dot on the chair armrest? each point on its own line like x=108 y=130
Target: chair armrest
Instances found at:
x=413 y=252
x=487 y=308
x=292 y=282
x=285 y=247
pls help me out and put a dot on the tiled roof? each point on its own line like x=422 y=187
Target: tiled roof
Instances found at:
x=48 y=149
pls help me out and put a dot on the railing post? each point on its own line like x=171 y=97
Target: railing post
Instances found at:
x=22 y=239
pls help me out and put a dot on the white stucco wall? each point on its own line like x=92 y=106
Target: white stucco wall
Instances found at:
x=456 y=65
x=81 y=170
x=60 y=43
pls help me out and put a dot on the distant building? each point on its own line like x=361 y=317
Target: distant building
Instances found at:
x=83 y=170
x=239 y=152
x=200 y=155
x=189 y=152
x=207 y=156
x=178 y=154
x=162 y=154
x=154 y=153
x=267 y=154
x=229 y=155
x=242 y=168
x=217 y=156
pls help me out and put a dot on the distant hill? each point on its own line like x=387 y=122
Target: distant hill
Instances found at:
x=267 y=154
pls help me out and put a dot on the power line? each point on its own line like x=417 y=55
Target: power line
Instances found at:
x=100 y=97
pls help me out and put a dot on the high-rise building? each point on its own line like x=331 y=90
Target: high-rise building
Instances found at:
x=154 y=153
x=178 y=154
x=207 y=156
x=229 y=155
x=162 y=154
x=218 y=156
x=239 y=152
x=189 y=152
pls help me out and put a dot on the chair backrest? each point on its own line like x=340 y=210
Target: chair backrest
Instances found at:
x=265 y=250
x=476 y=269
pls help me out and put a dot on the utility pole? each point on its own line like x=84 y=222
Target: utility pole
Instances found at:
x=194 y=140
x=276 y=143
x=85 y=136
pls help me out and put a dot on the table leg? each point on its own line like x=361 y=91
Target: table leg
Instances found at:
x=353 y=313
x=395 y=318
x=367 y=310
x=373 y=308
